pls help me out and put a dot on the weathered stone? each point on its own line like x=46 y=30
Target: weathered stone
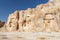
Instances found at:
x=21 y=20
x=1 y=23
x=12 y=23
x=43 y=18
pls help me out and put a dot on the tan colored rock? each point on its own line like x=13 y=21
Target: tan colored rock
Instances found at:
x=21 y=20
x=12 y=23
x=43 y=18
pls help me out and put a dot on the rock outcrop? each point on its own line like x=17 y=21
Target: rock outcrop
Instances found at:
x=2 y=24
x=43 y=18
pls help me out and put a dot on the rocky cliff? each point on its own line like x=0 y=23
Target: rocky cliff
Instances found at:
x=43 y=18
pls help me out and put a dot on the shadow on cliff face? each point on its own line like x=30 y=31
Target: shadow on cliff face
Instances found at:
x=1 y=24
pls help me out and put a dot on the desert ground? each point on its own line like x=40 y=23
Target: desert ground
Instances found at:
x=29 y=36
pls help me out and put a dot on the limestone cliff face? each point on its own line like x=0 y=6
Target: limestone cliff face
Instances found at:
x=43 y=18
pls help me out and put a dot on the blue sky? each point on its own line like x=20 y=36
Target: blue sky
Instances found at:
x=9 y=6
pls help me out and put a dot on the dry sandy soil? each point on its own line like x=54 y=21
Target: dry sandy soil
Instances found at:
x=29 y=36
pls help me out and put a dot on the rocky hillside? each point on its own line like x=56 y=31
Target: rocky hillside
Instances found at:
x=43 y=18
x=2 y=24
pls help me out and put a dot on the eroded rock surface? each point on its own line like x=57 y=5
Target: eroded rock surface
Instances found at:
x=43 y=18
x=2 y=24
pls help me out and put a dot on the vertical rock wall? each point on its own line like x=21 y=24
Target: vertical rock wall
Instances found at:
x=43 y=18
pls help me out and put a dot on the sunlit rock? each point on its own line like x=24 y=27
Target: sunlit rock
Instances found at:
x=43 y=18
